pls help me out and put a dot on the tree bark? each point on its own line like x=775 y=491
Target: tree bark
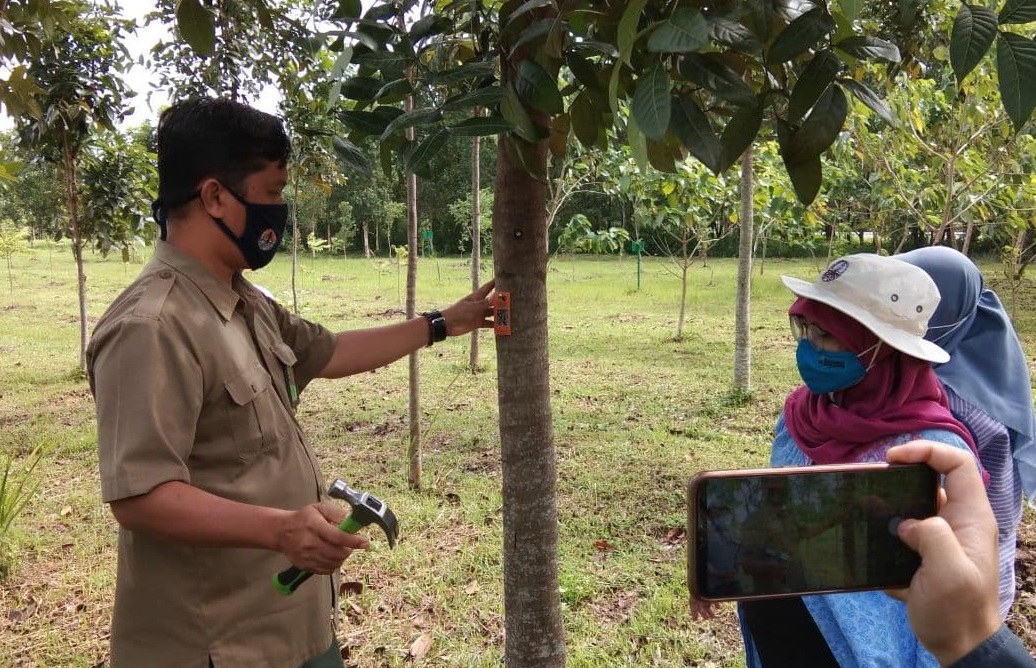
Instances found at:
x=69 y=159
x=743 y=310
x=532 y=606
x=476 y=235
x=295 y=244
x=414 y=409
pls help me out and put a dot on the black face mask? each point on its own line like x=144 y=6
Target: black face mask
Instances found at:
x=264 y=227
x=264 y=230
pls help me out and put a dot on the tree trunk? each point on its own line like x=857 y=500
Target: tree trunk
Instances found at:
x=295 y=244
x=476 y=235
x=969 y=231
x=366 y=239
x=69 y=159
x=742 y=312
x=414 y=447
x=532 y=606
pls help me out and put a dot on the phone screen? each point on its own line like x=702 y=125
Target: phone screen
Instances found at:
x=815 y=529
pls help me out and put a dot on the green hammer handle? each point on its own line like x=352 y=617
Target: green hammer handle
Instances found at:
x=288 y=580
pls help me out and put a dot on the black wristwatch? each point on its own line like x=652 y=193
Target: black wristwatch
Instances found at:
x=436 y=326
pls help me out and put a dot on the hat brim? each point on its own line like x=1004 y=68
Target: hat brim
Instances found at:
x=915 y=346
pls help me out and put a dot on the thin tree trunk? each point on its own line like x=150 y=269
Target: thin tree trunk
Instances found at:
x=535 y=636
x=476 y=234
x=295 y=244
x=77 y=244
x=414 y=448
x=743 y=311
x=969 y=231
x=366 y=239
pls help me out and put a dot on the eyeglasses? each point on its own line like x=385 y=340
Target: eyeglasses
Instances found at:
x=804 y=329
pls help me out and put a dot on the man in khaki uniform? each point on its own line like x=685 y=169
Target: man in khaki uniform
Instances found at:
x=196 y=377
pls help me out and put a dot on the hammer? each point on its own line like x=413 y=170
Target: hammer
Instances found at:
x=366 y=509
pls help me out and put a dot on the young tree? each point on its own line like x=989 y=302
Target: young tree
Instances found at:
x=118 y=180
x=13 y=239
x=79 y=72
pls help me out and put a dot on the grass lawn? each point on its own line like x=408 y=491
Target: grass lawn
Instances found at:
x=636 y=413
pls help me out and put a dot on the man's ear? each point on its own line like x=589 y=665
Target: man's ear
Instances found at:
x=213 y=197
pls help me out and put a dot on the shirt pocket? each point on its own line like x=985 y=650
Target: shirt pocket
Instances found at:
x=250 y=412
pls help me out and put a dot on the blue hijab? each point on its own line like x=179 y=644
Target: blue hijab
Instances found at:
x=987 y=366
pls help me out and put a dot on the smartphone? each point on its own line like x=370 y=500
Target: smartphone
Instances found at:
x=771 y=533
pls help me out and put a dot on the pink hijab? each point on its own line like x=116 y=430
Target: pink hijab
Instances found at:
x=900 y=394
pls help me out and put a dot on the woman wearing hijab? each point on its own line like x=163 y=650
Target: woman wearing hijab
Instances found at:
x=869 y=385
x=988 y=388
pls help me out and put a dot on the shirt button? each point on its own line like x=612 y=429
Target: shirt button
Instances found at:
x=165 y=273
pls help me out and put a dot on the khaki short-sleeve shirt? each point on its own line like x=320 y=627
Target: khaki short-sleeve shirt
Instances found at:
x=196 y=381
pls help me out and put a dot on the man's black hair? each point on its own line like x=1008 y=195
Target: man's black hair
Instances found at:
x=214 y=138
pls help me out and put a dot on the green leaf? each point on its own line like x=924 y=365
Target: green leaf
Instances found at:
x=685 y=30
x=351 y=155
x=488 y=96
x=361 y=88
x=534 y=85
x=870 y=48
x=806 y=178
x=741 y=131
x=1017 y=11
x=481 y=126
x=812 y=83
x=417 y=159
x=369 y=122
x=638 y=145
x=651 y=106
x=389 y=63
x=800 y=35
x=628 y=27
x=535 y=31
x=1016 y=71
x=523 y=10
x=476 y=70
x=851 y=8
x=820 y=129
x=348 y=9
x=512 y=109
x=197 y=26
x=869 y=98
x=717 y=78
x=805 y=173
x=433 y=24
x=761 y=16
x=660 y=157
x=394 y=91
x=973 y=33
x=585 y=120
x=584 y=71
x=691 y=126
x=735 y=35
x=341 y=62
x=416 y=117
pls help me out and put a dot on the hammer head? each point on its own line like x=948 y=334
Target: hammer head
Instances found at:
x=367 y=509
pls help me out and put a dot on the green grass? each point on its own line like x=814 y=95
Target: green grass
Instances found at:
x=635 y=412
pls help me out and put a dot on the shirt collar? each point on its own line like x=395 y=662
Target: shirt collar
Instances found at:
x=223 y=298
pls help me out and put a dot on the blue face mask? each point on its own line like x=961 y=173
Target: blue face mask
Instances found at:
x=826 y=371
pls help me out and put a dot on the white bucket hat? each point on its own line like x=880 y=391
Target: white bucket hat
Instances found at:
x=891 y=298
